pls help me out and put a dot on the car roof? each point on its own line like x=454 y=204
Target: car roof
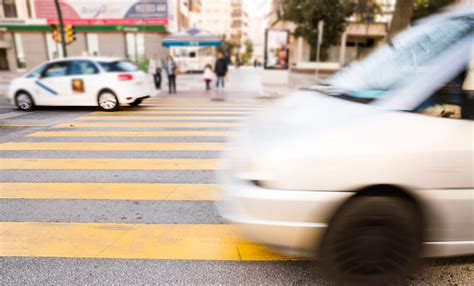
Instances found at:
x=94 y=59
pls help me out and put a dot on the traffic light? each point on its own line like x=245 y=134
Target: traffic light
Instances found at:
x=56 y=32
x=70 y=34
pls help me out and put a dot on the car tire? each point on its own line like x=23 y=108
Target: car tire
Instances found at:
x=24 y=102
x=372 y=240
x=108 y=101
x=137 y=102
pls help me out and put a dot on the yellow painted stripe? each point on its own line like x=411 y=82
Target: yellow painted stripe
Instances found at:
x=132 y=134
x=149 y=125
x=170 y=118
x=166 y=112
x=108 y=164
x=114 y=146
x=128 y=241
x=22 y=125
x=160 y=107
x=108 y=191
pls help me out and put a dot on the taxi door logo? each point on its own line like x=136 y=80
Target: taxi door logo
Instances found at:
x=78 y=86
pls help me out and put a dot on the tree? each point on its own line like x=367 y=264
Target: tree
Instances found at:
x=425 y=8
x=247 y=55
x=228 y=46
x=401 y=17
x=363 y=10
x=306 y=14
x=408 y=10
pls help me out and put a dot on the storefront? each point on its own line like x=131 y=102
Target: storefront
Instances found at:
x=129 y=29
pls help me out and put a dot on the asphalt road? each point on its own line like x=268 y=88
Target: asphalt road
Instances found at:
x=78 y=226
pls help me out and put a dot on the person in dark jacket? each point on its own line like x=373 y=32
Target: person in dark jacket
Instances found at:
x=220 y=70
x=170 y=68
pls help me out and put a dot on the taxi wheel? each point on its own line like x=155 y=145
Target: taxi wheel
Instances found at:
x=24 y=101
x=108 y=101
x=137 y=102
x=373 y=240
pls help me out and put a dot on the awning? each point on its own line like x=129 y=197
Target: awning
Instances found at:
x=192 y=37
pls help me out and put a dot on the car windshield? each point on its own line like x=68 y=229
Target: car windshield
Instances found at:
x=118 y=66
x=402 y=59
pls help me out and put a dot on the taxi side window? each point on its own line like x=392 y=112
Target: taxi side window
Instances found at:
x=453 y=100
x=55 y=70
x=83 y=68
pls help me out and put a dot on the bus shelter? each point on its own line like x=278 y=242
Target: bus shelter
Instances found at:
x=192 y=49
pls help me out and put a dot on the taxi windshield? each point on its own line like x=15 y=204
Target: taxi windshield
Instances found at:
x=402 y=59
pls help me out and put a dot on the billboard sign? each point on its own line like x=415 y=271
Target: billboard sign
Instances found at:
x=103 y=12
x=276 y=49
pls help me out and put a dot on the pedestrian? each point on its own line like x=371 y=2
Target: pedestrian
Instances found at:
x=220 y=70
x=171 y=68
x=208 y=76
x=154 y=69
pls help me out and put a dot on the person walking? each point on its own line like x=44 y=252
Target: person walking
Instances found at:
x=220 y=70
x=208 y=76
x=154 y=71
x=171 y=68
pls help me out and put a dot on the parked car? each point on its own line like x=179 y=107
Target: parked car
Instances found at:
x=370 y=169
x=83 y=81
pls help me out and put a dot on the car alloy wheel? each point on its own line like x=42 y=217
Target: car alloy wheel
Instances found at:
x=372 y=240
x=24 y=102
x=108 y=101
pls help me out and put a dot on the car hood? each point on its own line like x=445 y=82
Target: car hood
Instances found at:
x=288 y=124
x=303 y=112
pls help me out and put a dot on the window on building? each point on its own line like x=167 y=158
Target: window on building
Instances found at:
x=9 y=9
x=54 y=49
x=19 y=51
x=135 y=46
x=92 y=43
x=3 y=60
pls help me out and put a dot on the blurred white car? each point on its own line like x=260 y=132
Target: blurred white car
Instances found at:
x=83 y=81
x=366 y=188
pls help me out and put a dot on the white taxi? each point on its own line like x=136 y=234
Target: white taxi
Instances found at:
x=83 y=81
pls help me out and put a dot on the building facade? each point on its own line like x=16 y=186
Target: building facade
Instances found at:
x=126 y=28
x=224 y=17
x=359 y=38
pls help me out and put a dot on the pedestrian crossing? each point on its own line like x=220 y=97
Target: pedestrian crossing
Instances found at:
x=201 y=122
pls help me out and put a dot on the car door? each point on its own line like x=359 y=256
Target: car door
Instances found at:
x=51 y=87
x=84 y=82
x=451 y=205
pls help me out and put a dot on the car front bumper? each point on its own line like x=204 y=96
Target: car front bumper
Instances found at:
x=290 y=222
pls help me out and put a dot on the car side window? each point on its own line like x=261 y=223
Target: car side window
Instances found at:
x=83 y=68
x=55 y=69
x=454 y=100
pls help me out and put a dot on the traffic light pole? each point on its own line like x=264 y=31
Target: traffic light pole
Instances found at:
x=61 y=27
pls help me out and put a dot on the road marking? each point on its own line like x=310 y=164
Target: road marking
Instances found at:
x=22 y=125
x=133 y=134
x=12 y=114
x=180 y=108
x=170 y=118
x=108 y=164
x=165 y=112
x=108 y=191
x=149 y=125
x=129 y=241
x=114 y=146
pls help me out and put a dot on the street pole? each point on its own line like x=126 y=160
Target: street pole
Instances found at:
x=61 y=27
x=320 y=40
